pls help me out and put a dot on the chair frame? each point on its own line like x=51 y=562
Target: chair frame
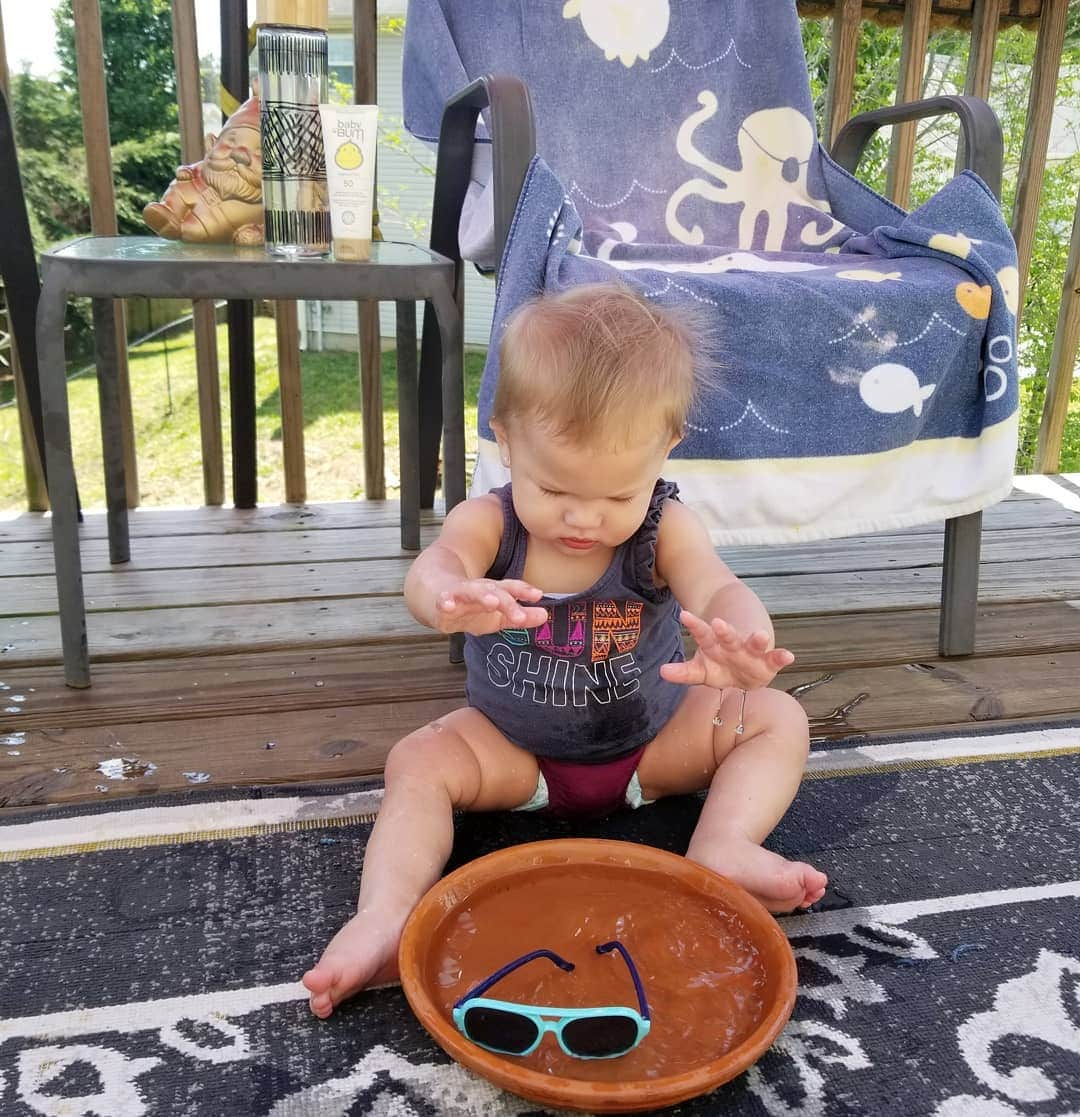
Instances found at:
x=19 y=269
x=513 y=147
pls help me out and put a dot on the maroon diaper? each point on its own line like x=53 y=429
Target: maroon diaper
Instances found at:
x=588 y=790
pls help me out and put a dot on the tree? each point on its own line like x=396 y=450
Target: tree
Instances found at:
x=44 y=116
x=142 y=122
x=139 y=70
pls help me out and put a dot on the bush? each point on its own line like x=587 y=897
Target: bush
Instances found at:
x=56 y=193
x=143 y=168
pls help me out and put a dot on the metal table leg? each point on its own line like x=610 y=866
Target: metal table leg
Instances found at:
x=61 y=469
x=112 y=439
x=408 y=425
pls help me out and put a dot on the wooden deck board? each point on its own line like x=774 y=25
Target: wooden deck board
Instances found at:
x=373 y=612
x=380 y=545
x=193 y=552
x=300 y=629
x=147 y=522
x=233 y=629
x=131 y=588
x=309 y=745
x=313 y=678
x=281 y=745
x=242 y=683
x=1020 y=508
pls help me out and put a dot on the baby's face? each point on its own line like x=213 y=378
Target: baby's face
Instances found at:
x=576 y=498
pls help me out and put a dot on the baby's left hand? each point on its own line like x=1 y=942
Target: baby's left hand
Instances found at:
x=726 y=659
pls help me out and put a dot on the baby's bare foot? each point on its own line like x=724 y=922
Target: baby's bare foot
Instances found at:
x=362 y=953
x=779 y=884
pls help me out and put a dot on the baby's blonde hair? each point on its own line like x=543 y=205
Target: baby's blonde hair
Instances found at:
x=598 y=363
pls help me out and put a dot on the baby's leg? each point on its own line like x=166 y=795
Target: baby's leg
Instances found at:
x=460 y=761
x=752 y=778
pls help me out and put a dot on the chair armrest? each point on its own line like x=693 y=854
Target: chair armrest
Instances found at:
x=982 y=146
x=513 y=144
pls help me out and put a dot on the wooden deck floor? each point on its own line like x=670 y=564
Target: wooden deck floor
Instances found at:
x=273 y=645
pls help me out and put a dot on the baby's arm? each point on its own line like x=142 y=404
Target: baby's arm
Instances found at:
x=446 y=589
x=727 y=619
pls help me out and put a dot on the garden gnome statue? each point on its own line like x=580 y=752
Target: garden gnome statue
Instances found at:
x=218 y=200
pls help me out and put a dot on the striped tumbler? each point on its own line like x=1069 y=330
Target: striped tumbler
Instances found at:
x=293 y=74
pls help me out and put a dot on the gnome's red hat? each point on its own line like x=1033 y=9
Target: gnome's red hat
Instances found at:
x=246 y=116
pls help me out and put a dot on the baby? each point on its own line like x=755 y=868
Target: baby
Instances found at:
x=570 y=584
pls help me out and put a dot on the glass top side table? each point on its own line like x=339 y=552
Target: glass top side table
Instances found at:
x=106 y=268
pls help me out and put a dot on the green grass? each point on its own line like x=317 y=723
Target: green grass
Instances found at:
x=167 y=434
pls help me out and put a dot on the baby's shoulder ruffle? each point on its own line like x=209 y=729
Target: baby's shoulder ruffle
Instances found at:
x=642 y=551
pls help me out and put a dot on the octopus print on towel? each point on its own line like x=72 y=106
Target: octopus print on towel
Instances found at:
x=585 y=685
x=775 y=146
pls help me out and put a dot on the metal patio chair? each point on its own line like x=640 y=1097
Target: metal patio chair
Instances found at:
x=869 y=354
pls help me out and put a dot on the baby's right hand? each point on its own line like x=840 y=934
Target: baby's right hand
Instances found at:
x=482 y=605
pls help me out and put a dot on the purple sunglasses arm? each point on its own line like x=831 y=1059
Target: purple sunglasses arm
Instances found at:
x=606 y=948
x=500 y=973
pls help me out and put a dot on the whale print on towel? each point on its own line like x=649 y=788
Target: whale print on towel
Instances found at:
x=959 y=244
x=1009 y=278
x=868 y=275
x=889 y=388
x=730 y=261
x=775 y=146
x=622 y=29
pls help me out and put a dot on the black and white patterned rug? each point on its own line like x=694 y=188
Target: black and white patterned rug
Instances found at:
x=150 y=950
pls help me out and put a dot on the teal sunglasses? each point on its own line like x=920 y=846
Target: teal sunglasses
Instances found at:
x=584 y=1033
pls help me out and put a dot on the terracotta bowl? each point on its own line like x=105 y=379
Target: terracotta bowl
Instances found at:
x=717 y=970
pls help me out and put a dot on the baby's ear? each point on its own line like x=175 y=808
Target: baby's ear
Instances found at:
x=504 y=446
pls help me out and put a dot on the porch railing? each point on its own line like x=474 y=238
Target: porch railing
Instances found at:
x=982 y=19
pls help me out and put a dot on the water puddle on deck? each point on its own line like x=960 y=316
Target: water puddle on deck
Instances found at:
x=834 y=723
x=126 y=768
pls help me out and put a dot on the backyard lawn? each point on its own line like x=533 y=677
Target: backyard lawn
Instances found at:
x=163 y=389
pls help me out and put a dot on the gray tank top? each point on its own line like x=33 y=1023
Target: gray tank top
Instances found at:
x=586 y=685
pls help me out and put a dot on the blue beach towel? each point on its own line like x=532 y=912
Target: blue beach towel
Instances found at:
x=868 y=356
